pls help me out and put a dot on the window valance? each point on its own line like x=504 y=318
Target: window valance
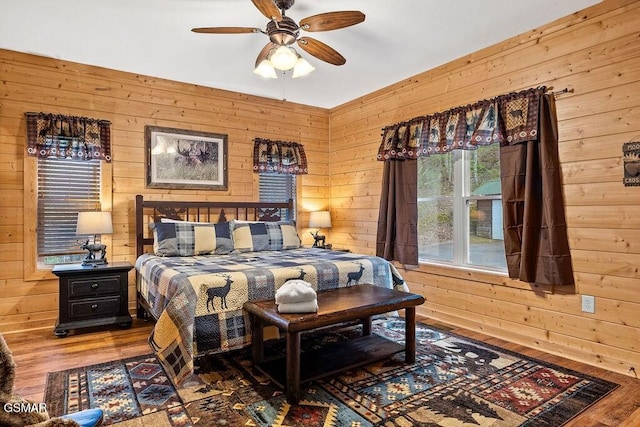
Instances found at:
x=279 y=157
x=68 y=137
x=506 y=119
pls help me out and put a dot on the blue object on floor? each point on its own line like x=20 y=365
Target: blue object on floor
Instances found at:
x=86 y=418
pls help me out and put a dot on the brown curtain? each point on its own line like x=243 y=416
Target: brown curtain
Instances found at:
x=524 y=124
x=279 y=157
x=536 y=242
x=68 y=137
x=397 y=236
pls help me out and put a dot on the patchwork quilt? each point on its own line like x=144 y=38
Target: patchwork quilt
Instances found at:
x=198 y=299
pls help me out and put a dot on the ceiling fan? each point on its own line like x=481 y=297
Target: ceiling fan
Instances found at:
x=284 y=31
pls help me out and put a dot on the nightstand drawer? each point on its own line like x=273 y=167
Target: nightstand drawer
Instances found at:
x=94 y=307
x=90 y=286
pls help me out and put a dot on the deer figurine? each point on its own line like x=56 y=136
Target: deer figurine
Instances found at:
x=220 y=291
x=355 y=276
x=97 y=253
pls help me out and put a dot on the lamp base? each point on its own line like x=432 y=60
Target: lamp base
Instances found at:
x=94 y=262
x=318 y=241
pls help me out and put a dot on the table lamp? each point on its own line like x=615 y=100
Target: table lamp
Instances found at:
x=95 y=223
x=319 y=219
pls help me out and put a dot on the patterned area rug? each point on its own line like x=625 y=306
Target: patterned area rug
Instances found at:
x=454 y=382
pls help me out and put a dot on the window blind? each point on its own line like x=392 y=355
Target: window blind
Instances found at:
x=276 y=187
x=65 y=187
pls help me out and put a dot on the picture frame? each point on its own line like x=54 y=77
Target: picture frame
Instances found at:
x=185 y=159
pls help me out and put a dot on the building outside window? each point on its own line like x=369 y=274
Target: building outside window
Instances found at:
x=460 y=209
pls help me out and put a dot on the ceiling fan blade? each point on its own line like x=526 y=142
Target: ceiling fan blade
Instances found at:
x=321 y=51
x=225 y=30
x=332 y=20
x=264 y=53
x=268 y=8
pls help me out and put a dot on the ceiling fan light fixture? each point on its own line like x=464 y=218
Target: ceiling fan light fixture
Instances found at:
x=266 y=70
x=283 y=58
x=284 y=32
x=302 y=68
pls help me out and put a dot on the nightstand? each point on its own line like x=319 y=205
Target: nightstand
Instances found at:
x=92 y=296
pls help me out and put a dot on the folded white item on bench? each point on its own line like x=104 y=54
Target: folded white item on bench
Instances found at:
x=295 y=291
x=299 y=307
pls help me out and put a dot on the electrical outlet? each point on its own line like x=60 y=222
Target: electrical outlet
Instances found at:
x=588 y=304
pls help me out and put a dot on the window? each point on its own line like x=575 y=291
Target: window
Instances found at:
x=65 y=187
x=275 y=187
x=460 y=209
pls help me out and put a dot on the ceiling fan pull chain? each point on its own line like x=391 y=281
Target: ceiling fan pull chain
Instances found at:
x=284 y=85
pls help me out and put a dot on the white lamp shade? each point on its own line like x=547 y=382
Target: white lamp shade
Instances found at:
x=302 y=68
x=94 y=223
x=320 y=219
x=283 y=58
x=266 y=70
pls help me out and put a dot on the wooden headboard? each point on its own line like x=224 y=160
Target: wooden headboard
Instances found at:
x=152 y=210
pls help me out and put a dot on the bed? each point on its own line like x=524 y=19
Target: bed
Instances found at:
x=195 y=289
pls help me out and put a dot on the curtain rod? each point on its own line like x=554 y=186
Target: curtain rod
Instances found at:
x=565 y=90
x=557 y=92
x=65 y=116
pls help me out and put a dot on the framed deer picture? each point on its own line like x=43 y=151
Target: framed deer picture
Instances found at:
x=177 y=158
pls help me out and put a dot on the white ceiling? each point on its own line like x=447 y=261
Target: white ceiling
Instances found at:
x=398 y=39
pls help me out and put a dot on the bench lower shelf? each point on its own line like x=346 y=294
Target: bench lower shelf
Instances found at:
x=333 y=358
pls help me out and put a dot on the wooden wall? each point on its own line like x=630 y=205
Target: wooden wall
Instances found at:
x=129 y=101
x=595 y=52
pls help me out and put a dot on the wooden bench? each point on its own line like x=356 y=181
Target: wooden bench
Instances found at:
x=336 y=306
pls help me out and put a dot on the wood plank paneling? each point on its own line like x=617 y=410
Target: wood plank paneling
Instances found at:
x=594 y=52
x=129 y=101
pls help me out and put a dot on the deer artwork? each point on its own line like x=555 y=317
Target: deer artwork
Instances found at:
x=300 y=276
x=355 y=276
x=195 y=154
x=220 y=291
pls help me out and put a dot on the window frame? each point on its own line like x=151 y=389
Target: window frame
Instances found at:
x=32 y=270
x=461 y=220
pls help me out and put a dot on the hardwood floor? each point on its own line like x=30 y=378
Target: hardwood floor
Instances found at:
x=38 y=352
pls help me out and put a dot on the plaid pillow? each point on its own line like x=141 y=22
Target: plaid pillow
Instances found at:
x=264 y=236
x=188 y=239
